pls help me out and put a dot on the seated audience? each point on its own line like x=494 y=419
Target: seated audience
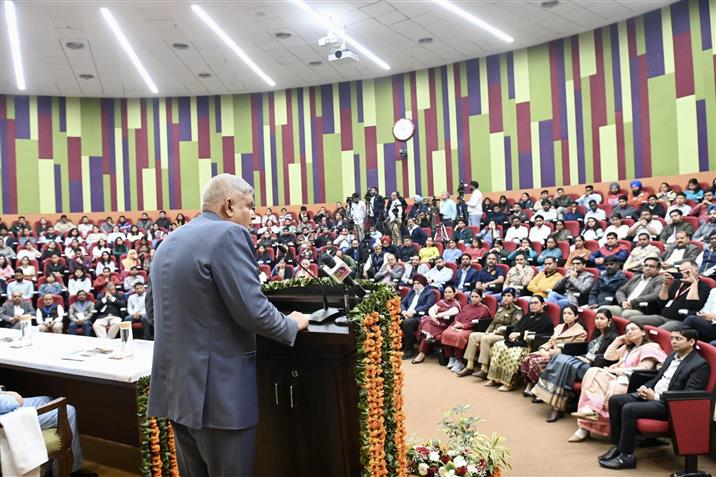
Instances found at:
x=556 y=382
x=633 y=350
x=506 y=316
x=570 y=330
x=677 y=299
x=605 y=287
x=641 y=251
x=574 y=287
x=519 y=275
x=79 y=281
x=704 y=321
x=678 y=224
x=49 y=315
x=544 y=281
x=136 y=310
x=526 y=250
x=455 y=337
x=578 y=250
x=109 y=312
x=415 y=304
x=592 y=230
x=80 y=316
x=391 y=271
x=15 y=308
x=432 y=326
x=706 y=259
x=452 y=253
x=466 y=275
x=506 y=356
x=517 y=231
x=684 y=370
x=679 y=252
x=439 y=275
x=21 y=284
x=551 y=249
x=611 y=248
x=51 y=286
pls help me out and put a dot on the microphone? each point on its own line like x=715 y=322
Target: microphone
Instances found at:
x=322 y=314
x=340 y=272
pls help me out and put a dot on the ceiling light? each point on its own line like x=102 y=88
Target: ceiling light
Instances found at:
x=425 y=41
x=473 y=19
x=128 y=49
x=549 y=4
x=347 y=38
x=74 y=45
x=86 y=76
x=204 y=75
x=180 y=46
x=11 y=21
x=231 y=44
x=315 y=63
x=283 y=35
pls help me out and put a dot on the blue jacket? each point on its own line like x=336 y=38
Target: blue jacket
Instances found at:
x=418 y=236
x=470 y=278
x=425 y=301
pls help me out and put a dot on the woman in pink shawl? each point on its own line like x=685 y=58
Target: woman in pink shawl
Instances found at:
x=439 y=317
x=454 y=339
x=633 y=350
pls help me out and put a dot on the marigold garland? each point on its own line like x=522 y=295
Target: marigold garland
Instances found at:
x=157 y=445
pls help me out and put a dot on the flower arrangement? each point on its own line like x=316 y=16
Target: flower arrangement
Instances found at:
x=468 y=453
x=156 y=439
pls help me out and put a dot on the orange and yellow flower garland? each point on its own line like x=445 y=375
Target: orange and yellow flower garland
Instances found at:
x=157 y=444
x=373 y=385
x=396 y=361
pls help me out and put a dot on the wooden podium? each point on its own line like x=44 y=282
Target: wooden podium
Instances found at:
x=308 y=397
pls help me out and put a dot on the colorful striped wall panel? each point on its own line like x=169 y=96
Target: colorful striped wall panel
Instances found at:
x=633 y=99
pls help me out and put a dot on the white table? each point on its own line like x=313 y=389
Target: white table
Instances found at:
x=103 y=390
x=48 y=349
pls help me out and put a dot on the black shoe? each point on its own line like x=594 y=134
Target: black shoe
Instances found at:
x=409 y=355
x=622 y=461
x=536 y=400
x=610 y=454
x=555 y=415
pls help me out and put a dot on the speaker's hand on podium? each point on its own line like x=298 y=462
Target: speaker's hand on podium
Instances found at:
x=300 y=319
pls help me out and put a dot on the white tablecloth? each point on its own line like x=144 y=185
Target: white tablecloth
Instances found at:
x=48 y=349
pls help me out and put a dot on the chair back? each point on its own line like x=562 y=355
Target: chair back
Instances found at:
x=620 y=324
x=461 y=297
x=588 y=315
x=554 y=312
x=708 y=352
x=660 y=337
x=490 y=302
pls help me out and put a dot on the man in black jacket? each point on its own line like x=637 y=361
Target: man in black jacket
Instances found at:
x=109 y=312
x=683 y=370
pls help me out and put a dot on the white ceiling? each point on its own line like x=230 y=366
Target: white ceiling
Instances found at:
x=391 y=29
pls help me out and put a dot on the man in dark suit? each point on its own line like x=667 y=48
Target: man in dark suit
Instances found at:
x=418 y=301
x=207 y=309
x=466 y=275
x=683 y=370
x=417 y=235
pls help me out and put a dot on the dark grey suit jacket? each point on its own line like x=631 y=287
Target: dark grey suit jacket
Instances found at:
x=207 y=308
x=649 y=294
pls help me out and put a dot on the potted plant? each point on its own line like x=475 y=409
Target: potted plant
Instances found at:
x=467 y=452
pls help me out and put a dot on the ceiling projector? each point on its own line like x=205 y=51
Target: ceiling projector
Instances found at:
x=343 y=54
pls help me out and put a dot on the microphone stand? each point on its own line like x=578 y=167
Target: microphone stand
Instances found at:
x=322 y=314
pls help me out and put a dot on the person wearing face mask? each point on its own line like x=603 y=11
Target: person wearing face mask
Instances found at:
x=205 y=327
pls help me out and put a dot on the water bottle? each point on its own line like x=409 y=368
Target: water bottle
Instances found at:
x=26 y=330
x=125 y=333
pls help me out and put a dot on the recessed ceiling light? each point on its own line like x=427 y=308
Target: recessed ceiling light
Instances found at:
x=86 y=76
x=474 y=20
x=74 y=45
x=327 y=22
x=549 y=4
x=283 y=35
x=425 y=41
x=180 y=46
x=315 y=63
x=204 y=75
x=231 y=44
x=11 y=22
x=114 y=26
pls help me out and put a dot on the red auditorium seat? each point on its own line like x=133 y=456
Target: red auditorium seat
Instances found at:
x=661 y=337
x=461 y=297
x=490 y=302
x=690 y=418
x=554 y=312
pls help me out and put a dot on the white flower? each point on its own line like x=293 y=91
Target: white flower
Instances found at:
x=452 y=453
x=443 y=472
x=423 y=468
x=434 y=456
x=471 y=469
x=459 y=461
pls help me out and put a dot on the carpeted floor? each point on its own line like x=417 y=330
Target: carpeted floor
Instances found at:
x=538 y=448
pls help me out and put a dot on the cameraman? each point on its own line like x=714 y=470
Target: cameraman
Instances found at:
x=376 y=207
x=474 y=205
x=395 y=216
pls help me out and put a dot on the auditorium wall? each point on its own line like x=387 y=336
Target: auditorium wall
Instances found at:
x=633 y=99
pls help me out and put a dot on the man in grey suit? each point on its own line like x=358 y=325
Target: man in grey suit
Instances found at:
x=640 y=289
x=207 y=309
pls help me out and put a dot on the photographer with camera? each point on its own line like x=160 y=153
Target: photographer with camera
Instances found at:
x=474 y=204
x=375 y=207
x=395 y=216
